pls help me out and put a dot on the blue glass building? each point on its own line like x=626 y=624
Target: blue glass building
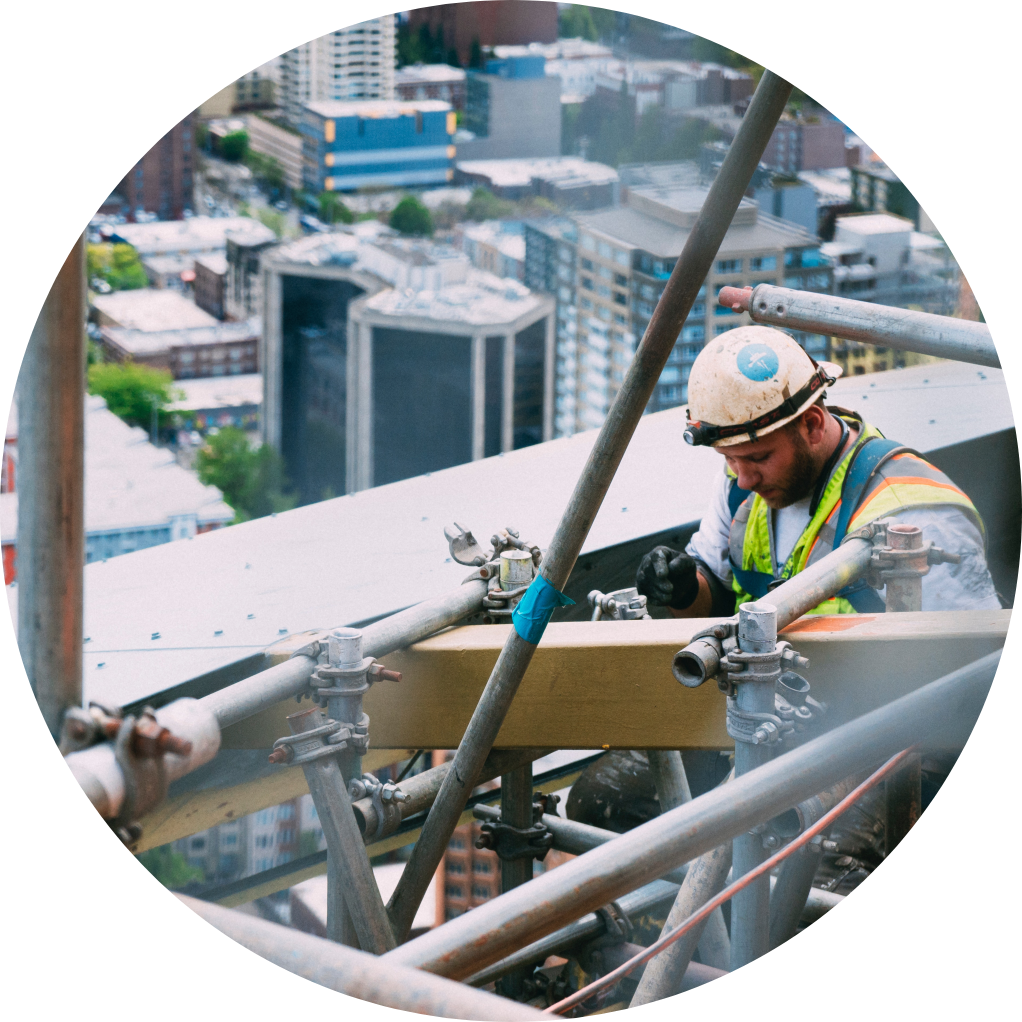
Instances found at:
x=347 y=146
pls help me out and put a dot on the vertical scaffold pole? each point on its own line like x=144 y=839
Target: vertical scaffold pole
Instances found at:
x=515 y=810
x=687 y=278
x=51 y=495
x=750 y=908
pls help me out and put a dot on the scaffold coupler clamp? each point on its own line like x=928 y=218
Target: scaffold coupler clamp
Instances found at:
x=326 y=740
x=386 y=798
x=759 y=658
x=620 y=605
x=140 y=745
x=512 y=843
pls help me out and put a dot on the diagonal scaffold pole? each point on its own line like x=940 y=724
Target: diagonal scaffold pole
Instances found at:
x=678 y=297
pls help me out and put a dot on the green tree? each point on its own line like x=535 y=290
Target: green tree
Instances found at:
x=234 y=147
x=276 y=222
x=475 y=54
x=484 y=205
x=411 y=217
x=576 y=22
x=332 y=209
x=130 y=389
x=118 y=265
x=253 y=482
x=267 y=169
x=169 y=867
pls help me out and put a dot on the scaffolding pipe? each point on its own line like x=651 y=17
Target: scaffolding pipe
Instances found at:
x=350 y=876
x=669 y=778
x=357 y=973
x=664 y=974
x=686 y=279
x=904 y=329
x=515 y=811
x=491 y=931
x=51 y=495
x=638 y=903
x=284 y=681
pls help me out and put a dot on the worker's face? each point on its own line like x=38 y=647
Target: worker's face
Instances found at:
x=780 y=467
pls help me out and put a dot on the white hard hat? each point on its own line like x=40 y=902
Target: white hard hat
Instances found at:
x=750 y=381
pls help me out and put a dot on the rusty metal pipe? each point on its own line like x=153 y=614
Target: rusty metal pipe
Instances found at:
x=904 y=329
x=356 y=973
x=491 y=931
x=678 y=297
x=51 y=495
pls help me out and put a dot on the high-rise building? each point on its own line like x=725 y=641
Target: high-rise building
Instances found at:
x=624 y=257
x=386 y=358
x=161 y=182
x=352 y=63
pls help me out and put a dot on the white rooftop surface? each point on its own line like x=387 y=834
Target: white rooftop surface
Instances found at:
x=518 y=173
x=482 y=299
x=376 y=107
x=129 y=483
x=312 y=894
x=874 y=223
x=152 y=342
x=491 y=233
x=214 y=261
x=428 y=73
x=254 y=579
x=197 y=234
x=218 y=392
x=151 y=309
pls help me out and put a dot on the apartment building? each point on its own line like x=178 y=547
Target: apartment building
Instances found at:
x=624 y=258
x=354 y=63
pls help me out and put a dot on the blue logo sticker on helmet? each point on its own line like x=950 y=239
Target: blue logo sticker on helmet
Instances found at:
x=758 y=362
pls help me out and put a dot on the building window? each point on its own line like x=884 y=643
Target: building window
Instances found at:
x=455 y=867
x=456 y=843
x=481 y=893
x=455 y=891
x=729 y=265
x=763 y=263
x=481 y=866
x=587 y=283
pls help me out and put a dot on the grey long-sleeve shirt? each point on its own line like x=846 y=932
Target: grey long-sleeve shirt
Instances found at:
x=965 y=586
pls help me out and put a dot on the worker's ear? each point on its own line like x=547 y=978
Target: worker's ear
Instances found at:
x=814 y=420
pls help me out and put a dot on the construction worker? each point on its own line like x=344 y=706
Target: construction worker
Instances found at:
x=797 y=477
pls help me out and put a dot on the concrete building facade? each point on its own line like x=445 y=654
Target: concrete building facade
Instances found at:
x=441 y=377
x=210 y=284
x=624 y=258
x=351 y=64
x=512 y=111
x=279 y=141
x=354 y=145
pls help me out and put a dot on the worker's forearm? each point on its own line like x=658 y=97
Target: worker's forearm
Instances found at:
x=702 y=605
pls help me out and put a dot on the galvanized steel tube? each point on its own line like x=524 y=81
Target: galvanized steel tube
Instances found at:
x=669 y=778
x=352 y=872
x=680 y=293
x=493 y=930
x=664 y=974
x=791 y=892
x=904 y=329
x=51 y=495
x=820 y=581
x=284 y=681
x=356 y=973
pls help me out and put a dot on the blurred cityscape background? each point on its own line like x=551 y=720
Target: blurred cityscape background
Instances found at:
x=423 y=240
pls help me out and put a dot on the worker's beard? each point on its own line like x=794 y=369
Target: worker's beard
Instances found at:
x=802 y=479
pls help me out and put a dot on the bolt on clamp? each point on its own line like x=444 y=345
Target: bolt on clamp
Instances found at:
x=620 y=605
x=326 y=740
x=386 y=798
x=531 y=842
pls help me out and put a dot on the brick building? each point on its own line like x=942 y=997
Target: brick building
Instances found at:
x=210 y=284
x=161 y=182
x=490 y=23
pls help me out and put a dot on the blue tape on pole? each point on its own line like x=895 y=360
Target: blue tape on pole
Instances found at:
x=533 y=612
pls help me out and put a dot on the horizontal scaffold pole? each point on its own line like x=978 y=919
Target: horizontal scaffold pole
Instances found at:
x=357 y=973
x=491 y=931
x=905 y=329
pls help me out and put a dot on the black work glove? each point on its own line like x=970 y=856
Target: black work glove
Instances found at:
x=667 y=578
